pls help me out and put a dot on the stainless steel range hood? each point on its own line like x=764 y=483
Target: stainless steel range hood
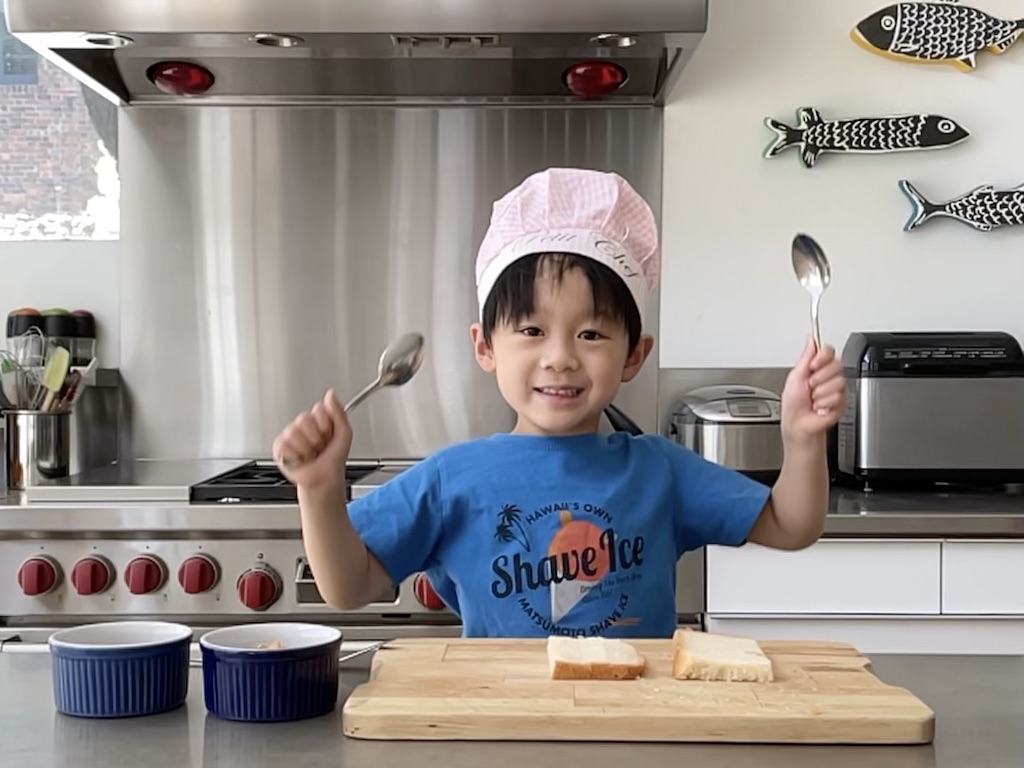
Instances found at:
x=367 y=51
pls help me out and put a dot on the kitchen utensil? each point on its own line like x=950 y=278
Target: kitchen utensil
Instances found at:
x=8 y=381
x=341 y=659
x=121 y=668
x=620 y=421
x=294 y=681
x=54 y=373
x=398 y=363
x=25 y=339
x=814 y=273
x=492 y=689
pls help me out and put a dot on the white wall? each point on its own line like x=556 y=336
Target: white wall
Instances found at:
x=729 y=296
x=68 y=274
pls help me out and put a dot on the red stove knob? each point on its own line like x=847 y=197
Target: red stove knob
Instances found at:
x=38 y=575
x=198 y=574
x=145 y=574
x=425 y=593
x=92 y=575
x=259 y=588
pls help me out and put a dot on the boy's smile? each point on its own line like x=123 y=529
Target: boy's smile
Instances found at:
x=562 y=365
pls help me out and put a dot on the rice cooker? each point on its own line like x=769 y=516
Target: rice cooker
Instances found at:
x=734 y=425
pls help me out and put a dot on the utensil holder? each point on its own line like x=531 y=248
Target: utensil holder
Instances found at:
x=38 y=447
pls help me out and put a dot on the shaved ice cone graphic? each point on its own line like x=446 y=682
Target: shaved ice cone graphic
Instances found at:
x=567 y=551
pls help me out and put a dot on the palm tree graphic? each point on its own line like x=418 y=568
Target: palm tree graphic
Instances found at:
x=509 y=528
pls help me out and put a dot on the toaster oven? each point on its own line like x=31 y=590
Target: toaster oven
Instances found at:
x=932 y=408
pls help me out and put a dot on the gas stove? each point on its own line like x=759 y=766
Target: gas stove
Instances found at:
x=204 y=543
x=261 y=481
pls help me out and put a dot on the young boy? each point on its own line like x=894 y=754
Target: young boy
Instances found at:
x=555 y=528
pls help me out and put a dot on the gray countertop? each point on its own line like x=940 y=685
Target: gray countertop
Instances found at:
x=154 y=496
x=978 y=701
x=850 y=514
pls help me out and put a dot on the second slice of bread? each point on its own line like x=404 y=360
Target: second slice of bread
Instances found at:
x=707 y=656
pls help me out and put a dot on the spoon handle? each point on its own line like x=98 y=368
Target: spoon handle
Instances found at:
x=815 y=329
x=368 y=390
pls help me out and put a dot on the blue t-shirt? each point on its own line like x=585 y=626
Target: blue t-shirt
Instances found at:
x=528 y=536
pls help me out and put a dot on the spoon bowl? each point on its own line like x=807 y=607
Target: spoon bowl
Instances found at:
x=398 y=363
x=814 y=273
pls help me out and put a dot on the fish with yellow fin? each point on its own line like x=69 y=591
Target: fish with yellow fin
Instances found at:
x=936 y=33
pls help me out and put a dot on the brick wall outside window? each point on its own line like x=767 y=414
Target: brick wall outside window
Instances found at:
x=49 y=152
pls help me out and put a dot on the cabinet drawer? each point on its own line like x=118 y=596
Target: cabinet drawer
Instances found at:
x=830 y=577
x=983 y=577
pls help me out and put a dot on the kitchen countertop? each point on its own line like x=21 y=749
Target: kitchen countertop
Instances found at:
x=978 y=701
x=154 y=496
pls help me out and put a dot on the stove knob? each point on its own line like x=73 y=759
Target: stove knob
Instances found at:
x=145 y=574
x=425 y=593
x=92 y=575
x=198 y=574
x=38 y=575
x=259 y=588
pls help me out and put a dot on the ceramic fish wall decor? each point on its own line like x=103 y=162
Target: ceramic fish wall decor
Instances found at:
x=985 y=208
x=936 y=33
x=896 y=133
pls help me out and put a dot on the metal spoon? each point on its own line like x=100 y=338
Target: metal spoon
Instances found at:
x=341 y=659
x=814 y=273
x=399 y=362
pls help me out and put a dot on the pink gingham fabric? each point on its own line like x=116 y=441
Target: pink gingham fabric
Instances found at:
x=571 y=210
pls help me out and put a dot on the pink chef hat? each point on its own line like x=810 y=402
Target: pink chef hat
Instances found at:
x=570 y=210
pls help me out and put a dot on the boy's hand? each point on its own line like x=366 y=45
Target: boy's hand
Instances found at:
x=814 y=397
x=313 y=449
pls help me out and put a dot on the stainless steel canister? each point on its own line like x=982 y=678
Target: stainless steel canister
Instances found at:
x=38 y=447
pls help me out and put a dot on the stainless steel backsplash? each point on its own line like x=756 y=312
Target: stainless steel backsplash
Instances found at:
x=270 y=253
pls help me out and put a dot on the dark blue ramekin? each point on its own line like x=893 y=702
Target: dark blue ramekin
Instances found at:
x=120 y=668
x=296 y=681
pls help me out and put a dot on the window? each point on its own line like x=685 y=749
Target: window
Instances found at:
x=58 y=152
x=20 y=63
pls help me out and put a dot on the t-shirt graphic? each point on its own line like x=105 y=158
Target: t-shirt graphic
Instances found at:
x=579 y=579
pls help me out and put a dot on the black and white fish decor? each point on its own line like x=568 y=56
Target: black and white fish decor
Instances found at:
x=896 y=133
x=935 y=33
x=985 y=208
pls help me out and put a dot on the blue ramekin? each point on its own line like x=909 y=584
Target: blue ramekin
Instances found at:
x=120 y=668
x=297 y=681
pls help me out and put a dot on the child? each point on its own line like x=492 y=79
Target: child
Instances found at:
x=555 y=528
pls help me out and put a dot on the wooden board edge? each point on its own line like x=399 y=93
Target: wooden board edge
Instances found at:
x=370 y=726
x=353 y=729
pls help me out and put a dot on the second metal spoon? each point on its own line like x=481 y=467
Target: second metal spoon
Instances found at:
x=814 y=273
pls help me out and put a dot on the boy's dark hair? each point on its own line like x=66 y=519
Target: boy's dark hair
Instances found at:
x=511 y=298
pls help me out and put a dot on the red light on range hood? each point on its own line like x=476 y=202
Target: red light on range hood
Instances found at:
x=594 y=78
x=180 y=78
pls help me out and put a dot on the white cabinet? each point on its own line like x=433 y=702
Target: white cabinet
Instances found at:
x=983 y=578
x=883 y=596
x=832 y=577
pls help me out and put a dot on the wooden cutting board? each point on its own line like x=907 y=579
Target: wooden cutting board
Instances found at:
x=468 y=689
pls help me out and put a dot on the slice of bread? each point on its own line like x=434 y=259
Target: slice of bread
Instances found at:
x=706 y=656
x=593 y=658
